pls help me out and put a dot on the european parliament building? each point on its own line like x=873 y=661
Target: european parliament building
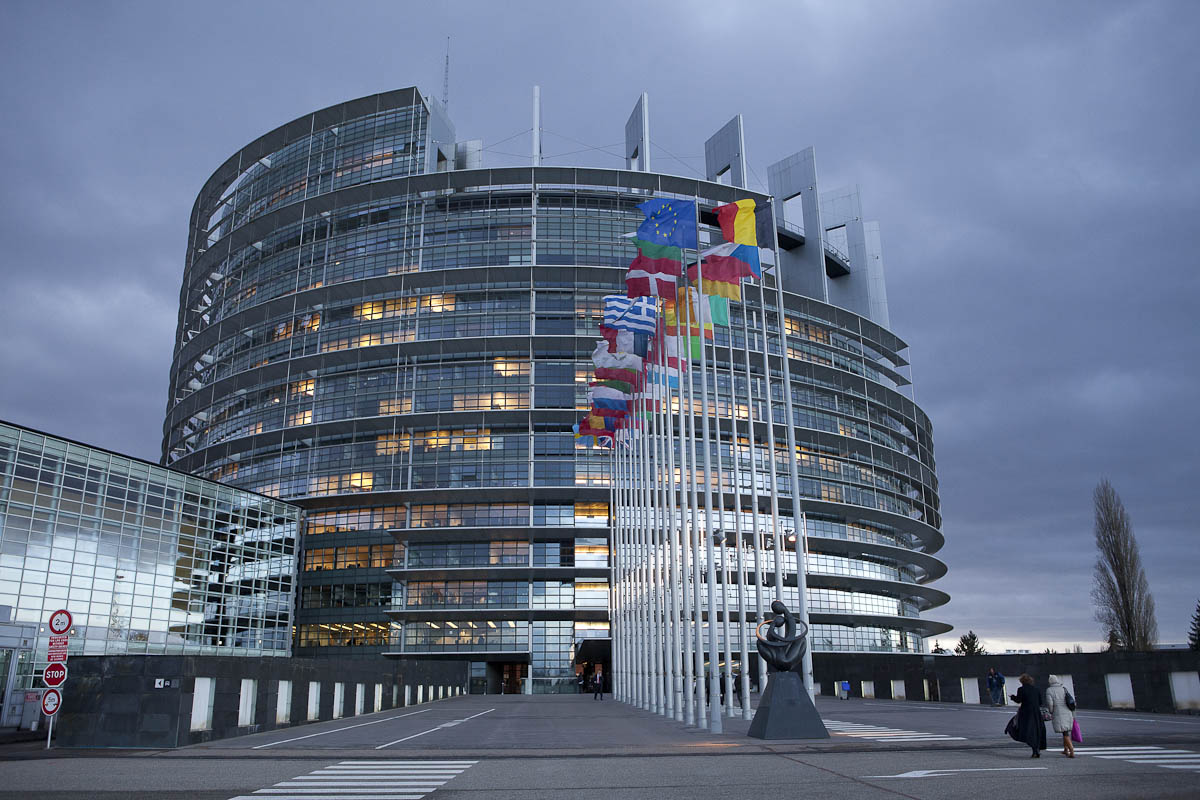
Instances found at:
x=379 y=329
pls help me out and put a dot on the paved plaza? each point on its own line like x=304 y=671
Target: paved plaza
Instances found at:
x=545 y=746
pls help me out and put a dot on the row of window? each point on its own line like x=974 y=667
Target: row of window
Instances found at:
x=426 y=595
x=347 y=634
x=353 y=557
x=348 y=595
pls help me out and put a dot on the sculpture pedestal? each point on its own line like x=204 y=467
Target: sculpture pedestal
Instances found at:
x=786 y=711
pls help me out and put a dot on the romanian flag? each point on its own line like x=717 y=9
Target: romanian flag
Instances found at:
x=738 y=223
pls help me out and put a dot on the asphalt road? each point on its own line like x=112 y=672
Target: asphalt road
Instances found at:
x=543 y=747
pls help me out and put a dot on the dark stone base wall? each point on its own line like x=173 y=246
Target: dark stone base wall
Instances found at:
x=113 y=701
x=1149 y=673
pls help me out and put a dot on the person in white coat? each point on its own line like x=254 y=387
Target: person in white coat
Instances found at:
x=1062 y=718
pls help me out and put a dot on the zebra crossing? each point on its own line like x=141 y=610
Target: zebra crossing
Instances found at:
x=365 y=780
x=1146 y=754
x=878 y=733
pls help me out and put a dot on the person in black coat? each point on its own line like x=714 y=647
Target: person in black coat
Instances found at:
x=1031 y=729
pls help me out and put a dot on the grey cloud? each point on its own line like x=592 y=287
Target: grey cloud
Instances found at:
x=1032 y=165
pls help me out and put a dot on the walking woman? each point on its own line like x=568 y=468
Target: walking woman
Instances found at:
x=1062 y=718
x=1030 y=728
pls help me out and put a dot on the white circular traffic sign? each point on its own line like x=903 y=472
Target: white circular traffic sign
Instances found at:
x=51 y=702
x=60 y=621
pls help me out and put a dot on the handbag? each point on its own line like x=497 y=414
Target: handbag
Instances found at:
x=1076 y=736
x=1010 y=730
x=1046 y=715
x=1070 y=701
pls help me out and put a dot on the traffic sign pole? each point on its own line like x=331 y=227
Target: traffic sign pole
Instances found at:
x=51 y=703
x=56 y=654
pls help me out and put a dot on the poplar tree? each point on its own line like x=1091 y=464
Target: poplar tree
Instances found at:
x=1124 y=605
x=1194 y=633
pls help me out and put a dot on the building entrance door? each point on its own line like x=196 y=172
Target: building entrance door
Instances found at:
x=506 y=677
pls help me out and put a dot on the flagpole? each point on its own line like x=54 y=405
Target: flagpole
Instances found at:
x=626 y=683
x=752 y=442
x=631 y=611
x=714 y=689
x=616 y=621
x=726 y=675
x=735 y=452
x=636 y=584
x=615 y=630
x=774 y=495
x=684 y=480
x=694 y=534
x=669 y=497
x=656 y=630
x=790 y=428
x=643 y=592
x=667 y=563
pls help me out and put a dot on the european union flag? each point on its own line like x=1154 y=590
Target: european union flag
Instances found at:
x=669 y=222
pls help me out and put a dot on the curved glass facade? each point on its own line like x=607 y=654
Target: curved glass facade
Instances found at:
x=401 y=347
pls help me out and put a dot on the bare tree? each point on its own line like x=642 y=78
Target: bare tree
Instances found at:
x=1124 y=606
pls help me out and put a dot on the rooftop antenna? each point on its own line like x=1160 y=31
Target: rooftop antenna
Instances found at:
x=537 y=125
x=446 y=76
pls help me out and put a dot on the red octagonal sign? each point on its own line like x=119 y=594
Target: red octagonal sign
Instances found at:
x=51 y=702
x=55 y=675
x=60 y=621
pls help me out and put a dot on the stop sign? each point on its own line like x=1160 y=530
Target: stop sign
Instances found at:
x=54 y=674
x=51 y=702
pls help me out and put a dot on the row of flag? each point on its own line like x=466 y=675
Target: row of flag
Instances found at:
x=639 y=354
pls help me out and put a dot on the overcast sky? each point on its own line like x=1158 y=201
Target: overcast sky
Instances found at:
x=1033 y=166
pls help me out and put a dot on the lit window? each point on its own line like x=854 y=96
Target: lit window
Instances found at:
x=300 y=418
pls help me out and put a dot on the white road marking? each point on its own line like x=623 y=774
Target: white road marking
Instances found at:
x=397 y=780
x=342 y=785
x=937 y=773
x=878 y=733
x=1089 y=750
x=339 y=797
x=1144 y=719
x=1146 y=754
x=406 y=764
x=339 y=730
x=438 y=728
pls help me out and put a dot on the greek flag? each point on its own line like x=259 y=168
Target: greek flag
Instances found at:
x=624 y=314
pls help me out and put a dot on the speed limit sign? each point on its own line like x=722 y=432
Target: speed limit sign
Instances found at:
x=60 y=621
x=51 y=702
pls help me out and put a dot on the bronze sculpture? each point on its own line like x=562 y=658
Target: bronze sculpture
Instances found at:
x=785 y=710
x=783 y=653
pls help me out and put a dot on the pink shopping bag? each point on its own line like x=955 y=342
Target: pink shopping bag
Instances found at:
x=1076 y=736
